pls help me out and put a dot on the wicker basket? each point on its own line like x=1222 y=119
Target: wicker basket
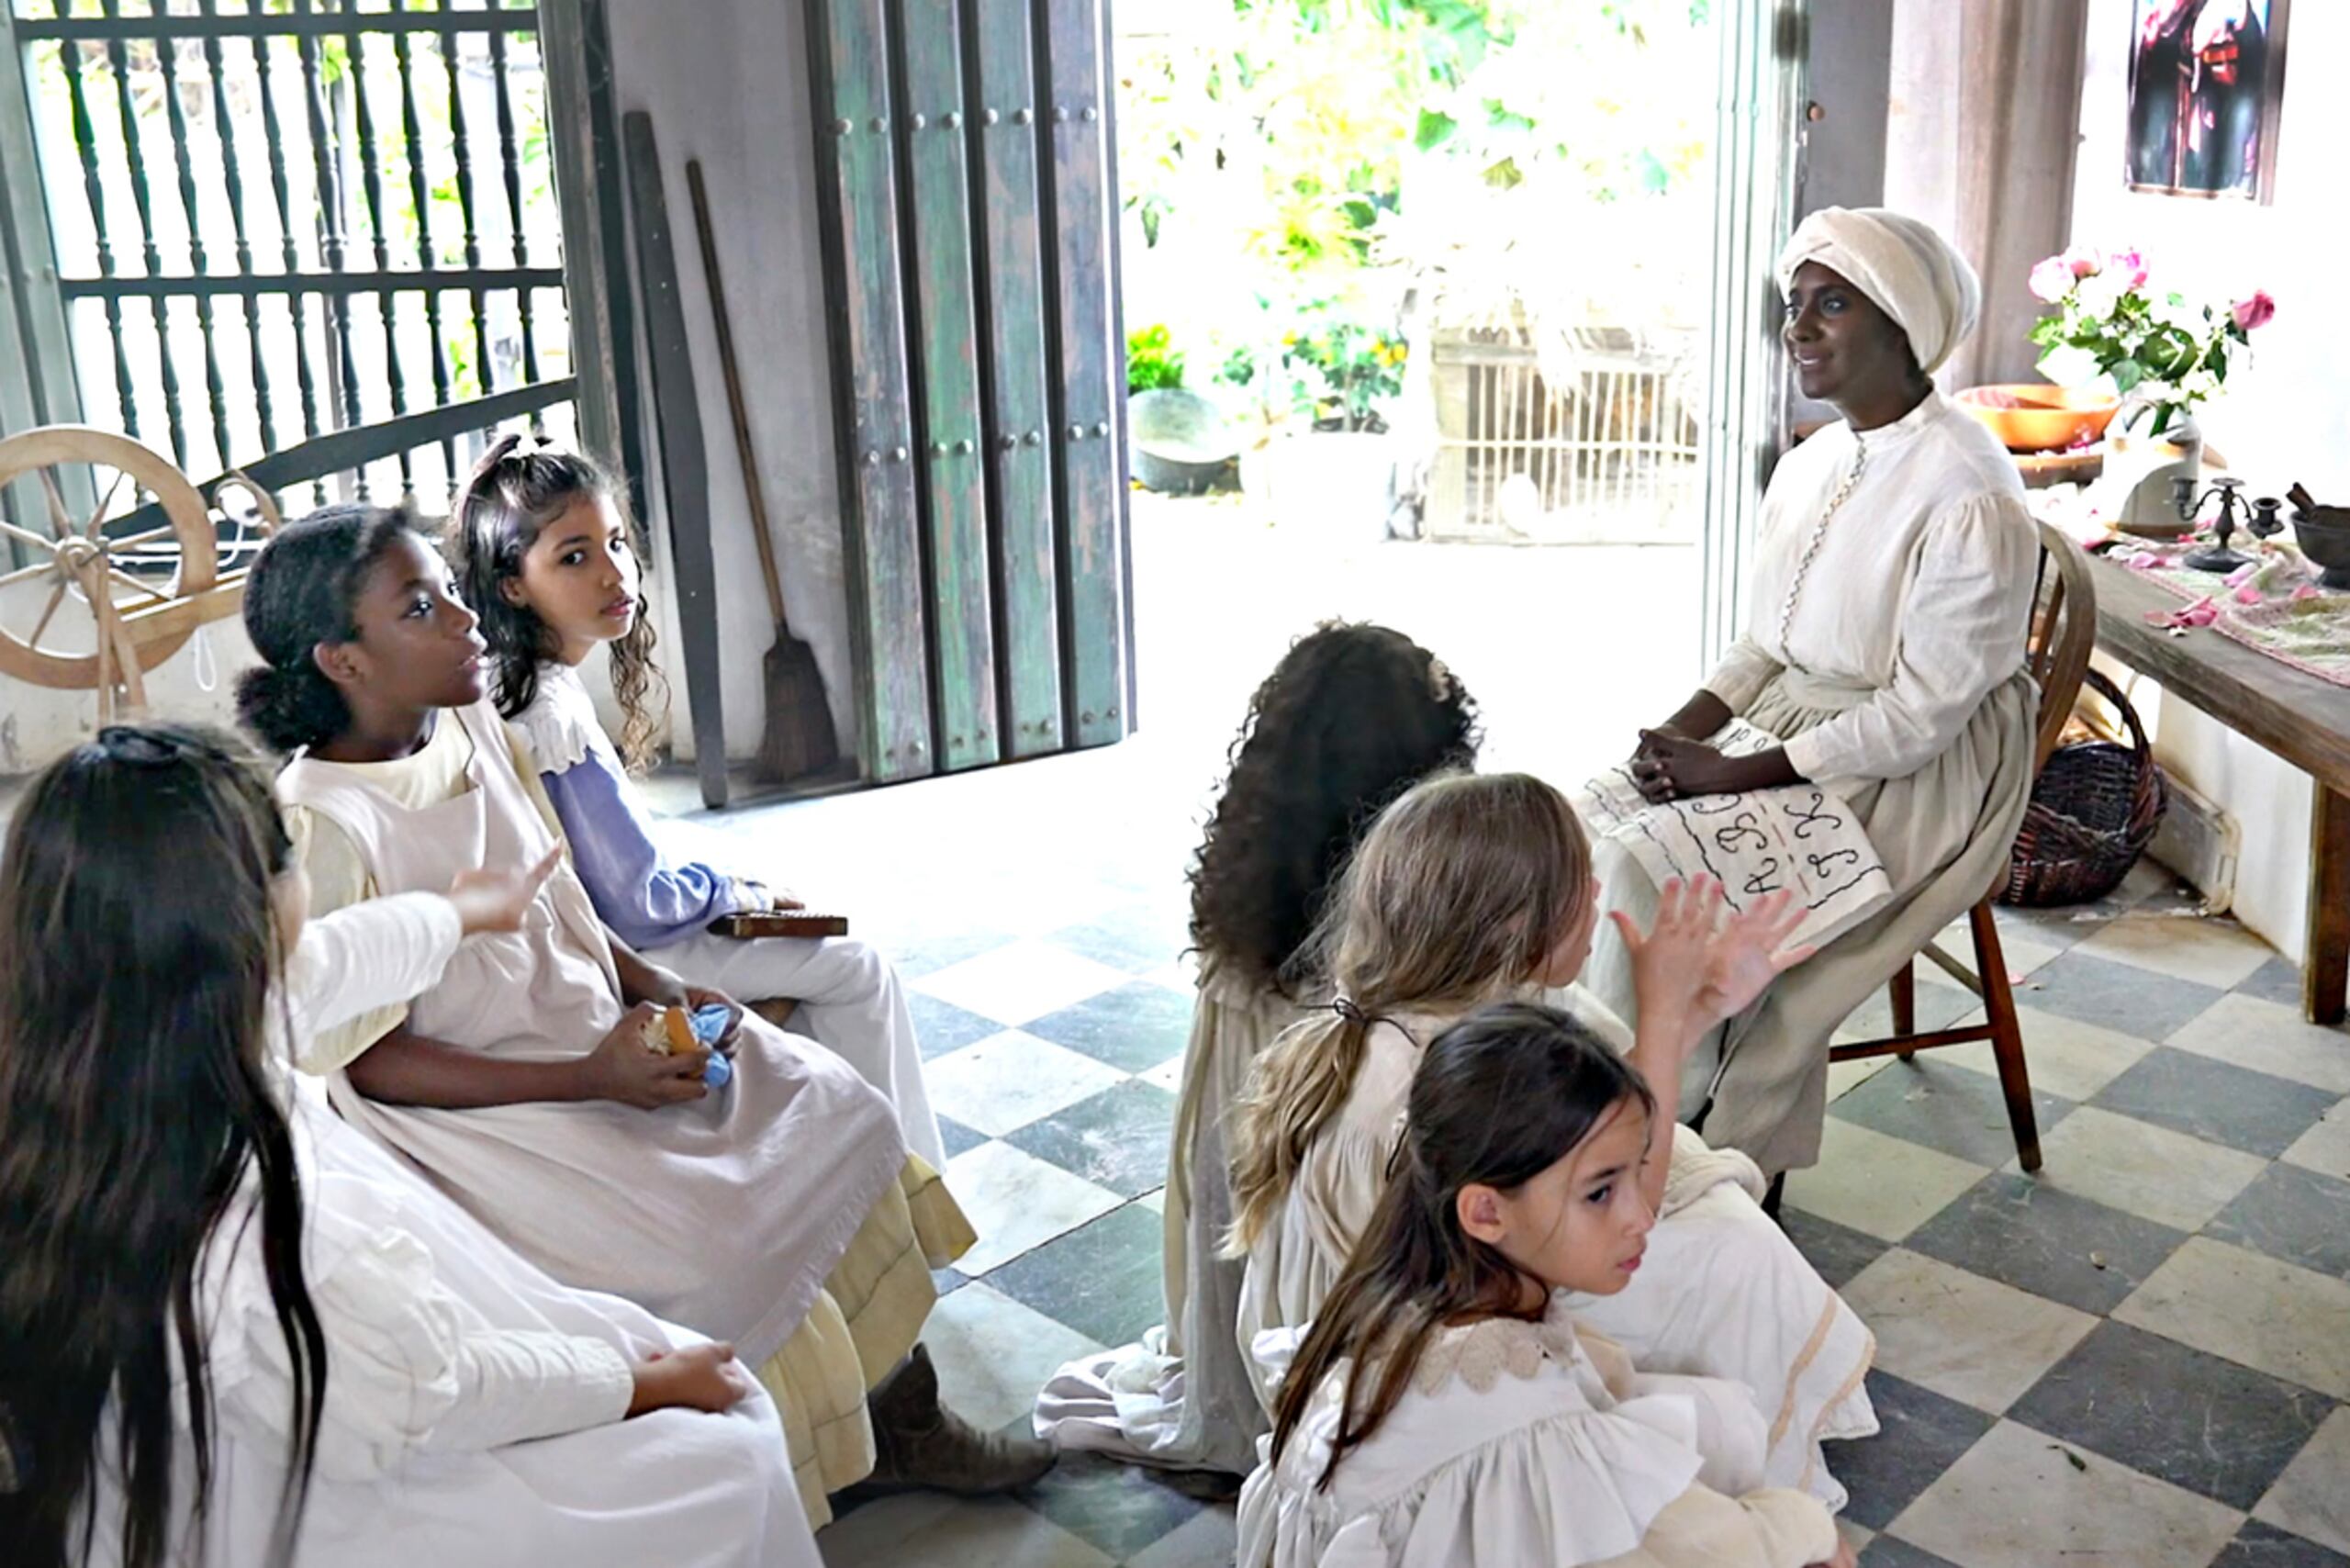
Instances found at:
x=2093 y=811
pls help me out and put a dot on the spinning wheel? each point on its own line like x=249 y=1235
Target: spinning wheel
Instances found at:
x=84 y=614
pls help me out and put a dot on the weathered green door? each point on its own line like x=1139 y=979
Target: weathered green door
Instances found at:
x=969 y=222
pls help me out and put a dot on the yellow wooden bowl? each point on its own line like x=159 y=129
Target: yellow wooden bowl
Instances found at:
x=2035 y=417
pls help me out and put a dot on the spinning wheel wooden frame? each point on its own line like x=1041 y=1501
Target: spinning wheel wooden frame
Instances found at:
x=136 y=621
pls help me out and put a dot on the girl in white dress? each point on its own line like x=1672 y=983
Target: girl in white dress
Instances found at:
x=540 y=545
x=1475 y=890
x=1351 y=716
x=234 y=1331
x=1449 y=1408
x=780 y=1212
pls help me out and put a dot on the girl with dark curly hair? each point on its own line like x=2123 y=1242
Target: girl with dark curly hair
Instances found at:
x=1351 y=718
x=543 y=551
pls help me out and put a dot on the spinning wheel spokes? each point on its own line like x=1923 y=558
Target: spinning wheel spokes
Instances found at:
x=104 y=619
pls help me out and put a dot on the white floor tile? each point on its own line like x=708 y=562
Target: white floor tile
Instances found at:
x=2217 y=953
x=2018 y=1499
x=1967 y=1337
x=1885 y=1186
x=2063 y=1056
x=871 y=1536
x=1021 y=982
x=2326 y=1146
x=2260 y=1312
x=2312 y=1497
x=1005 y=1081
x=2143 y=1170
x=1167 y=1075
x=1206 y=1540
x=2268 y=1036
x=1017 y=1202
x=993 y=1353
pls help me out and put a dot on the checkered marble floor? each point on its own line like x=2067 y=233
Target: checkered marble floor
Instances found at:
x=2140 y=1358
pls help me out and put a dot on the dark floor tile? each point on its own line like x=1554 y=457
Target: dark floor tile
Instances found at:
x=1945 y=1107
x=2053 y=1243
x=947 y=1282
x=1137 y=938
x=2216 y=1101
x=2276 y=980
x=1116 y=1139
x=928 y=955
x=2265 y=1546
x=941 y=1026
x=1135 y=1027
x=1888 y=1552
x=1920 y=1435
x=1118 y=1509
x=2170 y=1411
x=2119 y=996
x=2302 y=1217
x=959 y=1138
x=1836 y=1253
x=1101 y=1279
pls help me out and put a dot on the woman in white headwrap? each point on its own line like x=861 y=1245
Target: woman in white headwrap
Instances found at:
x=1884 y=649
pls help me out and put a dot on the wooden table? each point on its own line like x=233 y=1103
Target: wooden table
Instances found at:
x=2300 y=717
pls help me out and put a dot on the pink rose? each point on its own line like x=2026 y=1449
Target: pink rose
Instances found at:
x=2051 y=279
x=2129 y=264
x=2258 y=311
x=2084 y=261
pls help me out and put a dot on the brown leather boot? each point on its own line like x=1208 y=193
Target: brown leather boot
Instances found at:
x=917 y=1441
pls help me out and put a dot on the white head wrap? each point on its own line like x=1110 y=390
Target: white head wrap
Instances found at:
x=1906 y=269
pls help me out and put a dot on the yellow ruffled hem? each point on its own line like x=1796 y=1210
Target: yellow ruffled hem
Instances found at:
x=866 y=1321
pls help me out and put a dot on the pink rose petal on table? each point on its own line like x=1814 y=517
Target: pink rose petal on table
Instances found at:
x=2242 y=574
x=2248 y=595
x=2306 y=591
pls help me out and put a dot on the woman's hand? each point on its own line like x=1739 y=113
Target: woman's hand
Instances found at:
x=627 y=1071
x=1668 y=767
x=698 y=997
x=700 y=1377
x=497 y=901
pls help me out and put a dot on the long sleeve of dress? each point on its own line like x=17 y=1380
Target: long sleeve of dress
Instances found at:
x=647 y=902
x=1744 y=670
x=414 y=1369
x=1964 y=624
x=369 y=956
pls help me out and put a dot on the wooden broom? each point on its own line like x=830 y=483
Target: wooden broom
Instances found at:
x=796 y=737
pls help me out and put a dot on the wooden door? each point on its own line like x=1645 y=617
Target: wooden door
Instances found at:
x=965 y=150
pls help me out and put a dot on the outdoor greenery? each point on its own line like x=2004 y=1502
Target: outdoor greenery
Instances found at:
x=1294 y=170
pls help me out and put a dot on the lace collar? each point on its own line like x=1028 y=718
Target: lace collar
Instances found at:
x=1479 y=1353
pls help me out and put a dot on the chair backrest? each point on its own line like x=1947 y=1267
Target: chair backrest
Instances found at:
x=2063 y=630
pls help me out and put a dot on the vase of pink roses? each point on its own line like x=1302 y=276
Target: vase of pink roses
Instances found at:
x=2160 y=355
x=2156 y=351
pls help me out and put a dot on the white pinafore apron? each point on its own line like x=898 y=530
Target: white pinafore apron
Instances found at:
x=725 y=1214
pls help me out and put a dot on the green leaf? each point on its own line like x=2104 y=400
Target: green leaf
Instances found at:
x=1504 y=175
x=1501 y=116
x=2126 y=373
x=1434 y=131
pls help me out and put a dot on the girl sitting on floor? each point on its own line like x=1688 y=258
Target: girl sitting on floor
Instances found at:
x=1351 y=716
x=780 y=1212
x=234 y=1330
x=1451 y=1407
x=1475 y=890
x=540 y=545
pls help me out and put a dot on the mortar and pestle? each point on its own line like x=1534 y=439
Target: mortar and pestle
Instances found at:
x=2323 y=533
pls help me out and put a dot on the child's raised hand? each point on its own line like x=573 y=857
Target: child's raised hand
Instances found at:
x=626 y=1070
x=495 y=901
x=1746 y=955
x=700 y=1377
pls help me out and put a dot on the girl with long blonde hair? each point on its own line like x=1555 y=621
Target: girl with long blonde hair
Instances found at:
x=1471 y=890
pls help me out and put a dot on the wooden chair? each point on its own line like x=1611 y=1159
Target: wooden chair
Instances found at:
x=2063 y=630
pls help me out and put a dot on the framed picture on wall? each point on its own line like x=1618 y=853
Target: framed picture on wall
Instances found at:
x=2207 y=81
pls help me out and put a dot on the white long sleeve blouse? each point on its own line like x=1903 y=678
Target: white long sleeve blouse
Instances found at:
x=415 y=1370
x=1918 y=584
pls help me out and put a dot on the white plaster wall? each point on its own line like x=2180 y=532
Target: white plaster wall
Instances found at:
x=2288 y=418
x=196 y=684
x=726 y=81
